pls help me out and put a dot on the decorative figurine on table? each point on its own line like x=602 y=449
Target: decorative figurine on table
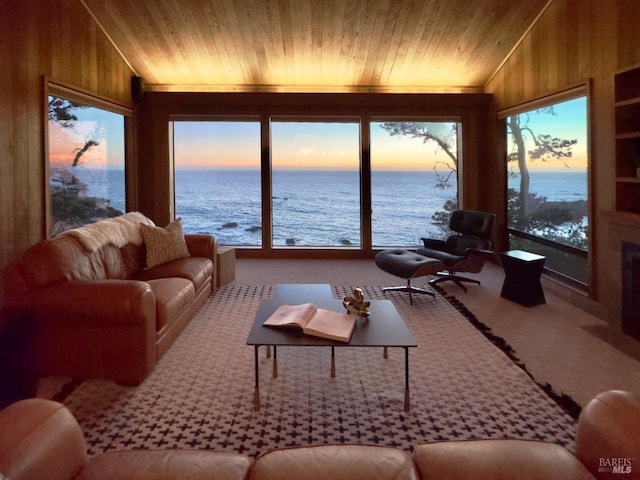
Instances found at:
x=356 y=303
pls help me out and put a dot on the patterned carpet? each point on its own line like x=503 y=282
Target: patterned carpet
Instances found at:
x=201 y=393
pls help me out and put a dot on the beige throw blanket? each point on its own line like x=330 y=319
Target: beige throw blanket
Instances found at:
x=118 y=231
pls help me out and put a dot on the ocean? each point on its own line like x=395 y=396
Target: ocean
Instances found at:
x=310 y=208
x=316 y=208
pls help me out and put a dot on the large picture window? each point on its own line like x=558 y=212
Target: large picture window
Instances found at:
x=86 y=150
x=316 y=183
x=414 y=182
x=311 y=183
x=547 y=192
x=217 y=179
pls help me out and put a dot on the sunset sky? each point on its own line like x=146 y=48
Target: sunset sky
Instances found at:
x=64 y=142
x=569 y=121
x=295 y=145
x=312 y=145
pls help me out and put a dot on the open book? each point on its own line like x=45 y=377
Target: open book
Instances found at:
x=314 y=321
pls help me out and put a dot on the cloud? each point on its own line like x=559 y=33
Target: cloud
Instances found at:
x=306 y=151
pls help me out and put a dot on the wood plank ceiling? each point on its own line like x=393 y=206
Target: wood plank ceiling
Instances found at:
x=315 y=45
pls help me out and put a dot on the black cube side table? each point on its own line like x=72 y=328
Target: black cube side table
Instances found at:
x=522 y=272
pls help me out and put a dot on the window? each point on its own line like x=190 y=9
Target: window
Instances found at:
x=315 y=188
x=414 y=182
x=547 y=199
x=316 y=183
x=217 y=179
x=86 y=161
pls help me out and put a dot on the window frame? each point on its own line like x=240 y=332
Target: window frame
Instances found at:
x=52 y=88
x=253 y=118
x=453 y=119
x=328 y=119
x=571 y=93
x=364 y=117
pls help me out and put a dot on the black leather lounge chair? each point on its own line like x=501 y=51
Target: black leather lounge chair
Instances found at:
x=464 y=251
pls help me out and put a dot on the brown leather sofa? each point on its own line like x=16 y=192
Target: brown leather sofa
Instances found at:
x=41 y=439
x=99 y=312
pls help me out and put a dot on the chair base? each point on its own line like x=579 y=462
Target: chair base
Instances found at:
x=410 y=289
x=443 y=277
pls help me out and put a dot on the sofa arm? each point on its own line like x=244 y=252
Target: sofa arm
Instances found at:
x=40 y=439
x=202 y=245
x=608 y=438
x=92 y=329
x=93 y=301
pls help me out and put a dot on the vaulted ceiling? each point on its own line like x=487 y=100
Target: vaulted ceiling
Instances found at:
x=315 y=45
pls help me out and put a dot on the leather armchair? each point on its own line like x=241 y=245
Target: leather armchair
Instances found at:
x=464 y=251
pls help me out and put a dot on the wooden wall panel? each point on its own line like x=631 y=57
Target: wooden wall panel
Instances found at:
x=628 y=38
x=41 y=39
x=574 y=42
x=552 y=56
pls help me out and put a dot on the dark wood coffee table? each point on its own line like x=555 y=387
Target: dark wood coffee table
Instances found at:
x=383 y=328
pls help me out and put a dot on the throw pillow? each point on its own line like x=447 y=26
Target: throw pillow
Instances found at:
x=164 y=244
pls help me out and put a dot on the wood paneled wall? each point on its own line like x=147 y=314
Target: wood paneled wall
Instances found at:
x=583 y=42
x=58 y=40
x=554 y=55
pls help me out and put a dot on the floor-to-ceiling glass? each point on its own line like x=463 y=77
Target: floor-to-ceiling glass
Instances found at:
x=315 y=169
x=548 y=190
x=414 y=183
x=217 y=179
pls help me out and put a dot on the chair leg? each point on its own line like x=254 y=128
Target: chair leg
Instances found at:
x=408 y=288
x=455 y=279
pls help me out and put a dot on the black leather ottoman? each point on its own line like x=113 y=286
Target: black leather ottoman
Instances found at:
x=406 y=264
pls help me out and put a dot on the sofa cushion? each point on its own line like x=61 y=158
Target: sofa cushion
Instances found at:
x=56 y=260
x=172 y=296
x=166 y=464
x=492 y=459
x=334 y=462
x=196 y=269
x=64 y=259
x=164 y=244
x=134 y=259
